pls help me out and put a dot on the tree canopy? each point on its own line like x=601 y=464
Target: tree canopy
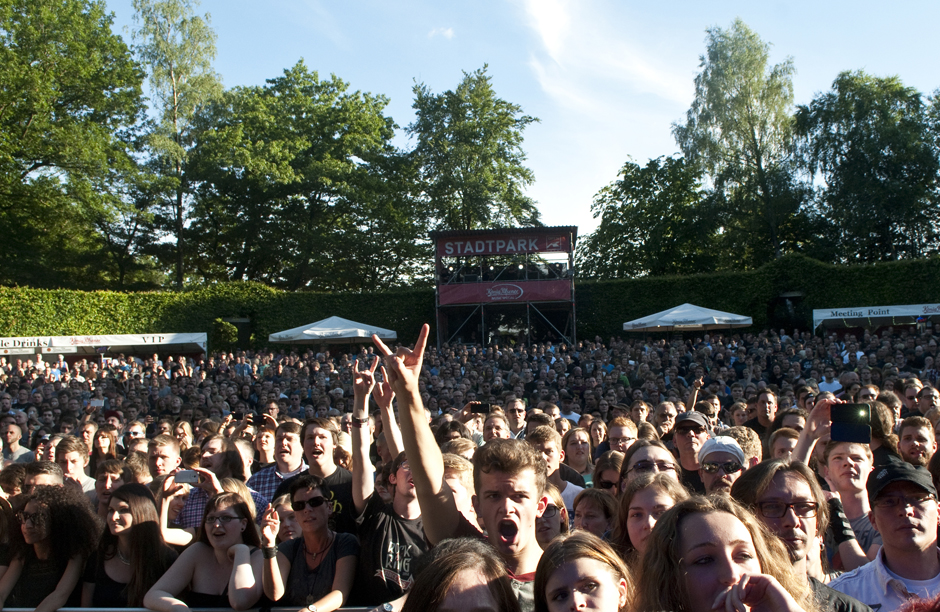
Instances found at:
x=470 y=157
x=70 y=94
x=870 y=139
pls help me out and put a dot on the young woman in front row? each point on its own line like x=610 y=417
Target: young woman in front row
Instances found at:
x=219 y=570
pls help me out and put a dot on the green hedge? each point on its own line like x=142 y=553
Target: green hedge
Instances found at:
x=602 y=306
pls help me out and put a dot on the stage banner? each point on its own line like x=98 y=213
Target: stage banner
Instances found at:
x=503 y=244
x=508 y=292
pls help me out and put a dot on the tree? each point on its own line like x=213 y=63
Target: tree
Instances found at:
x=469 y=151
x=870 y=139
x=655 y=220
x=178 y=48
x=299 y=187
x=739 y=130
x=69 y=90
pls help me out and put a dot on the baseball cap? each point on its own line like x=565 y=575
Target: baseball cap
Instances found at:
x=898 y=471
x=695 y=417
x=721 y=444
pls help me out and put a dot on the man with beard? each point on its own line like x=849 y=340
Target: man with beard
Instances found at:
x=916 y=440
x=721 y=462
x=690 y=433
x=787 y=499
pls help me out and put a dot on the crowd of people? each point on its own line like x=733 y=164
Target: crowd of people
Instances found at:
x=703 y=473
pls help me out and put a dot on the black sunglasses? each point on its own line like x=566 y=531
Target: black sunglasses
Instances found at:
x=313 y=502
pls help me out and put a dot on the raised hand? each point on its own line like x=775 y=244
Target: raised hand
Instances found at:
x=363 y=380
x=404 y=366
x=383 y=392
x=270 y=526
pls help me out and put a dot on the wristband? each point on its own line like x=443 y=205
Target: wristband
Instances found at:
x=838 y=523
x=269 y=552
x=357 y=422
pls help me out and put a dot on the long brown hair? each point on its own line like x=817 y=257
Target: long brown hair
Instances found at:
x=441 y=567
x=663 y=482
x=661 y=581
x=149 y=555
x=579 y=544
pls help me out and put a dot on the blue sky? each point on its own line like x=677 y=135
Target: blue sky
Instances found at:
x=606 y=78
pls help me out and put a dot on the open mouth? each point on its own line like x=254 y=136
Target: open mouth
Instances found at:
x=317 y=452
x=508 y=531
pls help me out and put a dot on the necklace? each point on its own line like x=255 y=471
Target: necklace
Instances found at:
x=313 y=555
x=123 y=559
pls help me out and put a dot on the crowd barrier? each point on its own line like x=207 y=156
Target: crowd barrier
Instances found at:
x=294 y=609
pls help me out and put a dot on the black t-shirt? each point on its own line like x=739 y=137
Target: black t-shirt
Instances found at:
x=756 y=426
x=692 y=481
x=340 y=486
x=569 y=474
x=390 y=545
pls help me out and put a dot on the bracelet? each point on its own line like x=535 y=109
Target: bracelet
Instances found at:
x=838 y=523
x=357 y=422
x=269 y=552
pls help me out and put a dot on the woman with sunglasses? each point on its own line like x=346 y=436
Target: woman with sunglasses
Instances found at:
x=315 y=570
x=219 y=569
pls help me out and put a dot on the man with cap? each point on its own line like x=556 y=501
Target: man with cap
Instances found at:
x=905 y=512
x=689 y=434
x=721 y=461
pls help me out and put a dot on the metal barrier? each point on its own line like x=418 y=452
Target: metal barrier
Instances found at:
x=191 y=609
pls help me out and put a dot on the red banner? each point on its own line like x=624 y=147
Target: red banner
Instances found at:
x=505 y=292
x=503 y=244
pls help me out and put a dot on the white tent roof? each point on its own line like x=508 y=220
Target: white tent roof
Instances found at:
x=874 y=316
x=333 y=329
x=687 y=316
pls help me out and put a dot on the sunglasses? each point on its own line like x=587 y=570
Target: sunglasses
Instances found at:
x=313 y=502
x=606 y=484
x=729 y=467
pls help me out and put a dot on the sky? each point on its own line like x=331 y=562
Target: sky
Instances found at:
x=606 y=79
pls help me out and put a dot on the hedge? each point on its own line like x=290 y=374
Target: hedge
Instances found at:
x=602 y=306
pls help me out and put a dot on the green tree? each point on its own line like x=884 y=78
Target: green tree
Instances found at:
x=739 y=130
x=469 y=151
x=69 y=89
x=177 y=47
x=655 y=220
x=299 y=187
x=871 y=141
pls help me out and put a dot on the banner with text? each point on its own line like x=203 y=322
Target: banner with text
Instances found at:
x=509 y=292
x=503 y=244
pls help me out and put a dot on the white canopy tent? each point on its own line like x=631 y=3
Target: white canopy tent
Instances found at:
x=875 y=316
x=687 y=317
x=333 y=330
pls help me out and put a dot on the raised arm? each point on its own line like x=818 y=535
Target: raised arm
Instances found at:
x=817 y=426
x=384 y=395
x=175 y=537
x=363 y=472
x=438 y=510
x=274 y=569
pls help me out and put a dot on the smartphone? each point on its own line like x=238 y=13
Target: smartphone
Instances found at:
x=186 y=477
x=851 y=423
x=480 y=408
